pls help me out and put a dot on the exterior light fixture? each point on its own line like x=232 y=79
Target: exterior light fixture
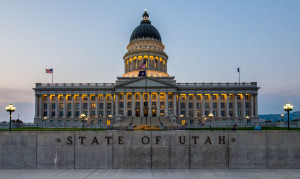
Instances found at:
x=288 y=107
x=82 y=120
x=10 y=108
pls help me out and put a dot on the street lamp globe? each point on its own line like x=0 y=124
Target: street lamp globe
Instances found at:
x=282 y=115
x=288 y=107
x=10 y=108
x=82 y=116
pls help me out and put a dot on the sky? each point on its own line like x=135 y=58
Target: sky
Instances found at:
x=84 y=41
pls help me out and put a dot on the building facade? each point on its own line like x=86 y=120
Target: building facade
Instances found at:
x=155 y=95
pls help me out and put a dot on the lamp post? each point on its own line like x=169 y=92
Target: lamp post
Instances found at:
x=82 y=120
x=10 y=108
x=210 y=116
x=45 y=118
x=282 y=117
x=288 y=107
x=247 y=117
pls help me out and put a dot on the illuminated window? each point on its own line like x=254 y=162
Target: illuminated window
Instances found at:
x=206 y=97
x=108 y=122
x=214 y=97
x=61 y=98
x=101 y=98
x=129 y=96
x=183 y=122
x=93 y=105
x=85 y=98
x=162 y=112
x=137 y=96
x=198 y=97
x=190 y=97
x=77 y=98
x=145 y=96
x=153 y=96
x=154 y=104
x=61 y=105
x=182 y=97
x=162 y=104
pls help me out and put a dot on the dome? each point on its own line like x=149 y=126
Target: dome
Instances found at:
x=145 y=30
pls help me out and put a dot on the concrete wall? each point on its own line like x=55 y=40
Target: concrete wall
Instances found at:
x=145 y=149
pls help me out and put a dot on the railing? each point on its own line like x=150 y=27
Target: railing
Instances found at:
x=75 y=84
x=254 y=84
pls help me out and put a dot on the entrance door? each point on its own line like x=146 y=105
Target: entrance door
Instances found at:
x=154 y=112
x=137 y=112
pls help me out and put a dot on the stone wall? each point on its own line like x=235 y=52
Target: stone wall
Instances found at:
x=145 y=149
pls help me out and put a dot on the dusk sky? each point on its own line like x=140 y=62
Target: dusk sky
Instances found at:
x=84 y=41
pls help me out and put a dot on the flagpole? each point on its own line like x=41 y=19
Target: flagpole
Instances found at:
x=239 y=76
x=52 y=77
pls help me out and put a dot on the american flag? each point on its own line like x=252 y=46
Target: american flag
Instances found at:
x=49 y=70
x=143 y=65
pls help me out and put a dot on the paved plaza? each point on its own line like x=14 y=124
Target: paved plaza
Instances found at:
x=148 y=173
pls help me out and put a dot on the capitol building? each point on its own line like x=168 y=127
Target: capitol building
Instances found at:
x=138 y=99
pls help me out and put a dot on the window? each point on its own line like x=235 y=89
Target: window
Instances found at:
x=230 y=97
x=53 y=113
x=230 y=113
x=45 y=105
x=137 y=96
x=170 y=104
x=182 y=113
x=198 y=97
x=222 y=97
x=129 y=96
x=121 y=105
x=198 y=113
x=101 y=98
x=108 y=98
x=222 y=105
x=93 y=98
x=85 y=105
x=53 y=98
x=45 y=113
x=239 y=113
x=170 y=96
x=198 y=105
x=69 y=105
x=77 y=105
x=129 y=104
x=145 y=96
x=61 y=98
x=92 y=122
x=59 y=122
x=182 y=97
x=101 y=113
x=247 y=104
x=153 y=96
x=170 y=112
x=230 y=105
x=129 y=113
x=137 y=105
x=93 y=113
x=99 y=122
x=238 y=97
x=108 y=122
x=100 y=105
x=93 y=105
x=85 y=98
x=51 y=122
x=162 y=112
x=190 y=105
x=239 y=105
x=53 y=105
x=190 y=97
x=214 y=105
x=76 y=98
x=145 y=104
x=182 y=105
x=75 y=121
x=69 y=113
x=77 y=113
x=206 y=97
x=61 y=105
x=45 y=98
x=206 y=105
x=206 y=113
x=153 y=104
x=247 y=113
x=214 y=97
x=162 y=104
x=108 y=106
x=69 y=98
x=61 y=113
x=223 y=113
x=246 y=96
x=215 y=113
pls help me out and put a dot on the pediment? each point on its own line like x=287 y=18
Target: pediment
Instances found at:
x=150 y=83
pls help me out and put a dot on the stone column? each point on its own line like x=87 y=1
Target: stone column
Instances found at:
x=252 y=110
x=202 y=105
x=65 y=106
x=80 y=104
x=40 y=106
x=158 y=105
x=142 y=105
x=243 y=107
x=174 y=104
x=133 y=105
x=166 y=105
x=56 y=106
x=227 y=105
x=112 y=105
x=132 y=64
x=235 y=106
x=187 y=105
x=149 y=104
x=48 y=105
x=219 y=105
x=88 y=106
x=104 y=105
x=36 y=106
x=256 y=105
x=195 y=106
x=211 y=104
x=179 y=105
x=117 y=104
x=72 y=106
x=125 y=105
x=97 y=106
